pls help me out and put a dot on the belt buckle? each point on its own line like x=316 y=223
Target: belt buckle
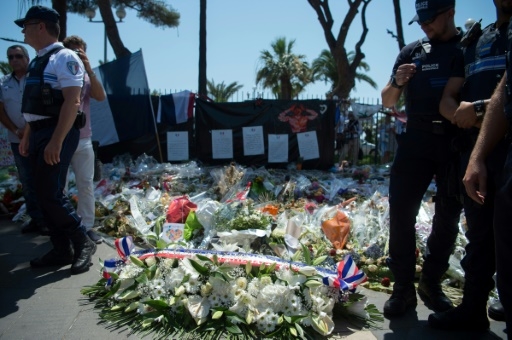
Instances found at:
x=437 y=127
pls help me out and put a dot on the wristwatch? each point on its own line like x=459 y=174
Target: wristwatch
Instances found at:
x=479 y=107
x=395 y=84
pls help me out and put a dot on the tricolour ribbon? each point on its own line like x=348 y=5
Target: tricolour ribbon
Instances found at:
x=124 y=246
x=349 y=276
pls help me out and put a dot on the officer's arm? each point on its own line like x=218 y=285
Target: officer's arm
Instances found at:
x=390 y=95
x=68 y=112
x=450 y=100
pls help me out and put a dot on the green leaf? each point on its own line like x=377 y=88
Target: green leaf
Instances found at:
x=307 y=254
x=248 y=268
x=161 y=244
x=132 y=306
x=204 y=258
x=200 y=269
x=319 y=260
x=157 y=304
x=293 y=331
x=136 y=261
x=299 y=330
x=234 y=329
x=142 y=278
x=130 y=294
x=313 y=283
x=217 y=315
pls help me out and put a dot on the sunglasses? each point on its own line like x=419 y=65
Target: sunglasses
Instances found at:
x=431 y=20
x=17 y=56
x=31 y=23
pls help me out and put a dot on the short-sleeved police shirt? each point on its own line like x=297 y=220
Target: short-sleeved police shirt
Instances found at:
x=434 y=65
x=64 y=69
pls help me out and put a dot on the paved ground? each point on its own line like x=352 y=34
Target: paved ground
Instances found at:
x=43 y=304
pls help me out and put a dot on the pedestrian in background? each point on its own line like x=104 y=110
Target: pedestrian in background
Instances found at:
x=83 y=160
x=11 y=92
x=352 y=133
x=424 y=152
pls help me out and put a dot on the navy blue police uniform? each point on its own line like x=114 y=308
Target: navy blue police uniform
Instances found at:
x=484 y=65
x=503 y=206
x=425 y=153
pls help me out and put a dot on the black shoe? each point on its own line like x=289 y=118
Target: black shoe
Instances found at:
x=496 y=311
x=433 y=296
x=402 y=298
x=460 y=318
x=83 y=255
x=52 y=259
x=94 y=236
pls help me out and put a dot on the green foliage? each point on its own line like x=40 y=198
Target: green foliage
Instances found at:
x=286 y=74
x=222 y=92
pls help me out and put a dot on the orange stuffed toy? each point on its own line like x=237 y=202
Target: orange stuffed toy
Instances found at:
x=337 y=229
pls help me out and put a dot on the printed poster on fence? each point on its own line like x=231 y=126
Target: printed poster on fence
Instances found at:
x=253 y=140
x=177 y=146
x=278 y=148
x=308 y=145
x=222 y=144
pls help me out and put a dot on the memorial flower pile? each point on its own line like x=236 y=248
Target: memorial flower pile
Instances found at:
x=191 y=294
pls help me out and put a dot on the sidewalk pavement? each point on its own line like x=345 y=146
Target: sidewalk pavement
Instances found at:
x=47 y=304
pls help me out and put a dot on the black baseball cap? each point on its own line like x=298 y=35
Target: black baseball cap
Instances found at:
x=427 y=9
x=41 y=13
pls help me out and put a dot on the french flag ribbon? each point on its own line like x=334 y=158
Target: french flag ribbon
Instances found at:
x=124 y=246
x=349 y=276
x=110 y=266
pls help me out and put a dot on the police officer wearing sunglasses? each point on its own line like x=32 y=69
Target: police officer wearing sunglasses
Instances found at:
x=420 y=73
x=51 y=103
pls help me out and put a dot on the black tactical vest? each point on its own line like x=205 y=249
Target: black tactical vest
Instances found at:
x=39 y=98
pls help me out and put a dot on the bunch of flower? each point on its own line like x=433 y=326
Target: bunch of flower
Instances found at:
x=241 y=215
x=202 y=296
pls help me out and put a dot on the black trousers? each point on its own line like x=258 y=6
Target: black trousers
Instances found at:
x=420 y=157
x=503 y=237
x=479 y=262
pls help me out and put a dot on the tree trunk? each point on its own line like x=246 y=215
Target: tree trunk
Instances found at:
x=202 y=49
x=399 y=27
x=111 y=29
x=61 y=8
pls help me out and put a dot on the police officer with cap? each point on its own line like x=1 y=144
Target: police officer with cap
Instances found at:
x=420 y=72
x=50 y=105
x=465 y=99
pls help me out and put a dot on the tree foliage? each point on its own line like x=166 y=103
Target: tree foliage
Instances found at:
x=324 y=69
x=283 y=72
x=346 y=69
x=156 y=12
x=5 y=68
x=221 y=92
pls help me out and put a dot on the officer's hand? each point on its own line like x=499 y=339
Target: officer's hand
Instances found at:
x=23 y=146
x=465 y=116
x=475 y=180
x=404 y=73
x=52 y=152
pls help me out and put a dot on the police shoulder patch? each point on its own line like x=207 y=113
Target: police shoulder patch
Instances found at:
x=73 y=67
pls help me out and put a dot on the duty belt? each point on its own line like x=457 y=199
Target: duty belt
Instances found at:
x=436 y=127
x=43 y=123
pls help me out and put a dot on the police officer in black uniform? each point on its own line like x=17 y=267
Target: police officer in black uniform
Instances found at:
x=496 y=125
x=50 y=104
x=421 y=71
x=484 y=65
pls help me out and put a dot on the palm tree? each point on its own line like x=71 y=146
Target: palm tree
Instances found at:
x=324 y=69
x=221 y=92
x=5 y=68
x=284 y=73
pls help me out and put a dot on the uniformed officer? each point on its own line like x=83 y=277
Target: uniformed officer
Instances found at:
x=421 y=71
x=51 y=100
x=484 y=65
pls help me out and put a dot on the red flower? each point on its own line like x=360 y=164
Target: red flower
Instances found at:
x=417 y=252
x=385 y=282
x=332 y=252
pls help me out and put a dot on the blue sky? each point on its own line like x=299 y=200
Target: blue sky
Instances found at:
x=238 y=30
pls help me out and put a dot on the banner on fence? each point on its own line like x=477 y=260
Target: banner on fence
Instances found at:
x=242 y=132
